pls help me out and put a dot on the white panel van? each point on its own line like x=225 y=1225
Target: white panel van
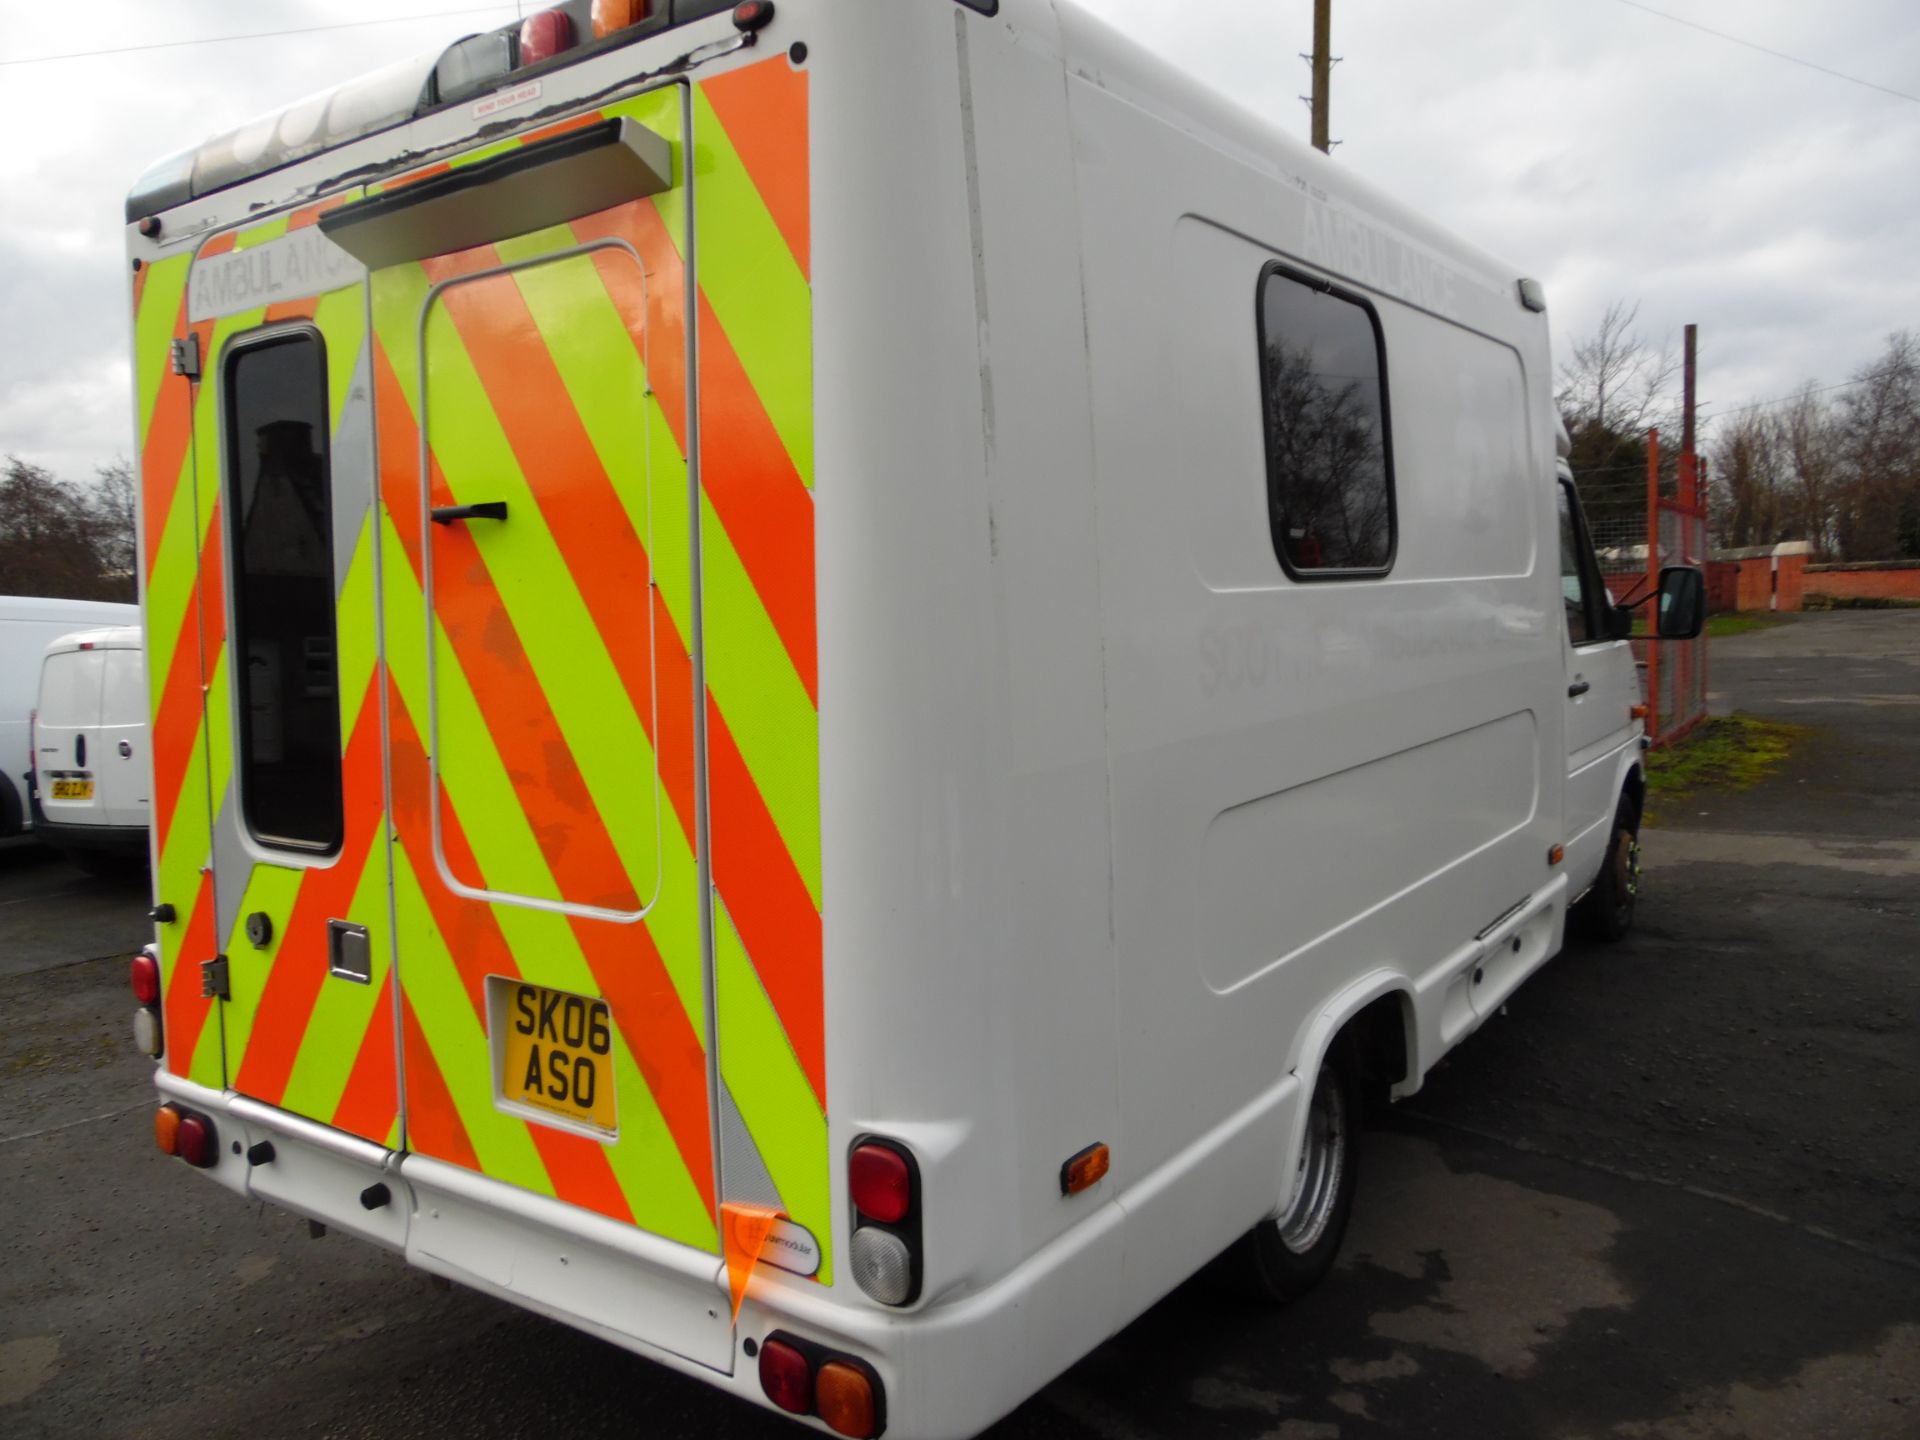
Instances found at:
x=27 y=624
x=89 y=783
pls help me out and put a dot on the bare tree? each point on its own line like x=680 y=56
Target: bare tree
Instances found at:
x=1618 y=382
x=52 y=539
x=1877 y=516
x=115 y=505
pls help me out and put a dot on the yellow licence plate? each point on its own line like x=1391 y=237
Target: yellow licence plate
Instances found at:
x=73 y=789
x=557 y=1054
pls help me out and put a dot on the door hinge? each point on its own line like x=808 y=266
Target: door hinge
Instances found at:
x=213 y=979
x=186 y=357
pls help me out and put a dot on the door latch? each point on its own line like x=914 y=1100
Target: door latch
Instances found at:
x=213 y=979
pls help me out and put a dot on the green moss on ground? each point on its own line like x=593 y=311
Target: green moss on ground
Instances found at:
x=1745 y=622
x=1733 y=752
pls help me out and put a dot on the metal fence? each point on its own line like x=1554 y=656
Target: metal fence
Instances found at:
x=1620 y=514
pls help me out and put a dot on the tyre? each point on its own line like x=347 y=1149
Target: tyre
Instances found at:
x=1287 y=1254
x=1609 y=905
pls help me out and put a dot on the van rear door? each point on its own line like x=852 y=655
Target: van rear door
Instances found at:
x=67 y=740
x=121 y=766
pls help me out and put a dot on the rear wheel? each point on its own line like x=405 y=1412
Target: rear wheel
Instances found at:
x=1610 y=904
x=1289 y=1253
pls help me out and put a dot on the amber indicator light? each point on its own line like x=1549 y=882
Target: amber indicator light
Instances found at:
x=1556 y=854
x=1085 y=1170
x=843 y=1396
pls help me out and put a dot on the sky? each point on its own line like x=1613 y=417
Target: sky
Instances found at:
x=1610 y=152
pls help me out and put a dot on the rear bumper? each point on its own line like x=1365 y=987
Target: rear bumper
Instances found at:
x=127 y=840
x=948 y=1371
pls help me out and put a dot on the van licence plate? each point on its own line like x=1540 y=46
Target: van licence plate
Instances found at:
x=558 y=1053
x=73 y=789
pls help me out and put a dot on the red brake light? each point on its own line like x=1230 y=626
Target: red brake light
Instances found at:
x=786 y=1377
x=197 y=1143
x=881 y=1183
x=545 y=35
x=145 y=978
x=753 y=15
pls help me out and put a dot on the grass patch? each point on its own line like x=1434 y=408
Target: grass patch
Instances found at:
x=1731 y=753
x=1745 y=622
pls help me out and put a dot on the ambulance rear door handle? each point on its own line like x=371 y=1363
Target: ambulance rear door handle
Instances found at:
x=449 y=514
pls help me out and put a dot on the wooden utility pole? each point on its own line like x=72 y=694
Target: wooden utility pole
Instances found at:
x=1689 y=455
x=1322 y=73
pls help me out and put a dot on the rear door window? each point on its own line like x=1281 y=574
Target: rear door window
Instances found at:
x=70 y=689
x=280 y=507
x=123 y=695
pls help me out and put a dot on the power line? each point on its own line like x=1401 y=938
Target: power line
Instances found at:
x=1776 y=54
x=257 y=35
x=1789 y=399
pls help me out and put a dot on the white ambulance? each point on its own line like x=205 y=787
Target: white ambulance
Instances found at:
x=832 y=676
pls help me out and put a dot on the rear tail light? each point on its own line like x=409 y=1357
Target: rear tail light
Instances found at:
x=844 y=1396
x=146 y=1031
x=545 y=35
x=884 y=1184
x=145 y=978
x=787 y=1377
x=166 y=1129
x=803 y=1378
x=143 y=975
x=196 y=1141
x=613 y=15
x=752 y=15
x=880 y=1183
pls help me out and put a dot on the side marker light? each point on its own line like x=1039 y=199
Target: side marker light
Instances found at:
x=1640 y=712
x=1556 y=854
x=1085 y=1170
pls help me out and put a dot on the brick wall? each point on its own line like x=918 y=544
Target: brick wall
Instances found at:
x=1755 y=588
x=1893 y=580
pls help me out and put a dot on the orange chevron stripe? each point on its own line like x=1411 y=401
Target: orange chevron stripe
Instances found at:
x=744 y=465
x=433 y=1124
x=176 y=725
x=293 y=309
x=578 y=1167
x=183 y=1009
x=764 y=110
x=371 y=1100
x=292 y=989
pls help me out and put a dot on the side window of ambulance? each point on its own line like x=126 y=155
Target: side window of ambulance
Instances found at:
x=1329 y=455
x=280 y=517
x=1574 y=596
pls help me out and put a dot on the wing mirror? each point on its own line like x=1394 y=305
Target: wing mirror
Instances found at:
x=1683 y=603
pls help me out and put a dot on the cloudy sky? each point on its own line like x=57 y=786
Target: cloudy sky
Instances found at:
x=1611 y=152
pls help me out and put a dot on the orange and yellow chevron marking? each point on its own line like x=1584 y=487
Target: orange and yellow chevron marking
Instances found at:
x=650 y=1007
x=280 y=1024
x=764 y=110
x=571 y=1167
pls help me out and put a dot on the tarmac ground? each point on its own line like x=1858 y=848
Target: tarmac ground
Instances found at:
x=1674 y=1192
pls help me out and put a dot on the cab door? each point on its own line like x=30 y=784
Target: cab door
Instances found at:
x=1602 y=691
